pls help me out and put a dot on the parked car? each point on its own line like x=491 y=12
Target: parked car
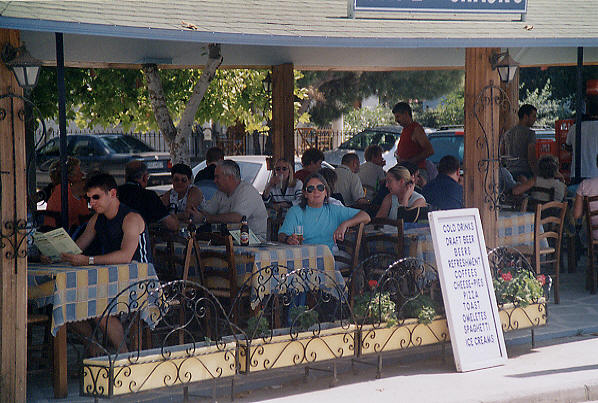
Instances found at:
x=451 y=142
x=254 y=170
x=107 y=153
x=385 y=136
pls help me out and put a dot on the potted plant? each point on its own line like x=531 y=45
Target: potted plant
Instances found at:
x=417 y=323
x=520 y=297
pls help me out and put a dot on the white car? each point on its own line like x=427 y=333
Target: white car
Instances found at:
x=253 y=170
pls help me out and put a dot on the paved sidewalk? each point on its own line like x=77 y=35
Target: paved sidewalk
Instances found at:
x=563 y=368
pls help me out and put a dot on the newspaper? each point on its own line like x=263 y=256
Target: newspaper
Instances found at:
x=253 y=239
x=55 y=242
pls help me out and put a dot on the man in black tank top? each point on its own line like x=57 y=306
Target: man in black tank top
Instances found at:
x=122 y=235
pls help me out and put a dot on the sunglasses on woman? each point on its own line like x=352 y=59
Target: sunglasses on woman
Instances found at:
x=278 y=169
x=311 y=188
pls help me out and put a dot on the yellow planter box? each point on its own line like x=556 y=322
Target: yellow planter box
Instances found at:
x=379 y=338
x=306 y=347
x=154 y=369
x=515 y=318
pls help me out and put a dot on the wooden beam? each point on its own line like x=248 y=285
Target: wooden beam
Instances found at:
x=283 y=119
x=13 y=267
x=481 y=119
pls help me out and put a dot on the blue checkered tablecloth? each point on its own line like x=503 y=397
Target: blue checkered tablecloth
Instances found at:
x=250 y=259
x=79 y=293
x=514 y=229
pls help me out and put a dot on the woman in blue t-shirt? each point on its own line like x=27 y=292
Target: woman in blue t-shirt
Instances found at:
x=322 y=223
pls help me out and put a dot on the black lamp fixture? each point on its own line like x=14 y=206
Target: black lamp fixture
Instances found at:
x=267 y=82
x=24 y=66
x=505 y=65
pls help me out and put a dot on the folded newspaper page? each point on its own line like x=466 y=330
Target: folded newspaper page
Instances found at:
x=55 y=242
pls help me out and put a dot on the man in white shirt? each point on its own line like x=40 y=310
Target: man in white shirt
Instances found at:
x=371 y=173
x=348 y=183
x=233 y=200
x=589 y=142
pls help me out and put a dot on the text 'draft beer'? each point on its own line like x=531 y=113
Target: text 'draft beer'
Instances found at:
x=467 y=289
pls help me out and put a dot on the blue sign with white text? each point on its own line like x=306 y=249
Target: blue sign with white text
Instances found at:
x=452 y=6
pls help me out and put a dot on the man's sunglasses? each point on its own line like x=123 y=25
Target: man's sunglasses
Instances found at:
x=94 y=197
x=281 y=168
x=311 y=188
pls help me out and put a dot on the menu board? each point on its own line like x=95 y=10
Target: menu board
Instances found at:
x=467 y=290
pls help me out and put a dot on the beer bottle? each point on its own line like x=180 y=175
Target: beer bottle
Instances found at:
x=244 y=232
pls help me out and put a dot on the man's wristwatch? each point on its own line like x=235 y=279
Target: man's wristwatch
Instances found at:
x=91 y=260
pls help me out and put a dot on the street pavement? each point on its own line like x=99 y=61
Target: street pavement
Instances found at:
x=562 y=368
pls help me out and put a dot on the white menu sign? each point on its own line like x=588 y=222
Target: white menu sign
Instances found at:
x=467 y=290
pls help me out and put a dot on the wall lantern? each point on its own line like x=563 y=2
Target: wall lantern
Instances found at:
x=24 y=66
x=267 y=82
x=505 y=65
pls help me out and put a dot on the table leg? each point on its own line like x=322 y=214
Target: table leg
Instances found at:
x=60 y=364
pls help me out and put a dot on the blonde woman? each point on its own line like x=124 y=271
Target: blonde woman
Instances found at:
x=402 y=194
x=283 y=188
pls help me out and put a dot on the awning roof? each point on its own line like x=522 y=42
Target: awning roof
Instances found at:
x=308 y=33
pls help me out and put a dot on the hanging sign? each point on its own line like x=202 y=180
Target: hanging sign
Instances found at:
x=443 y=6
x=467 y=290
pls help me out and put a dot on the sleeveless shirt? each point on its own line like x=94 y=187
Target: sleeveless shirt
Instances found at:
x=110 y=235
x=407 y=147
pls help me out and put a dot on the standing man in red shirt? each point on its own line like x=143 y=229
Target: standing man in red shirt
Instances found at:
x=414 y=145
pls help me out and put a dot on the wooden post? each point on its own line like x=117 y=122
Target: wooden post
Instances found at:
x=508 y=115
x=283 y=119
x=479 y=74
x=13 y=267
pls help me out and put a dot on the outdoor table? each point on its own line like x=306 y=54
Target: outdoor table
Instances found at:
x=79 y=293
x=514 y=229
x=250 y=259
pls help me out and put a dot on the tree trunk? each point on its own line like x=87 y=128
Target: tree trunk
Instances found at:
x=177 y=137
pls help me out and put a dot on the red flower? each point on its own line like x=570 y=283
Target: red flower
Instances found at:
x=541 y=278
x=507 y=276
x=373 y=284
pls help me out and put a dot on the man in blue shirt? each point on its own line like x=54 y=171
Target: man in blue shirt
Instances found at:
x=445 y=192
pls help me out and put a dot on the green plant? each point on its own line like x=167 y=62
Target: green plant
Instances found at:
x=302 y=318
x=257 y=326
x=518 y=286
x=421 y=307
x=374 y=307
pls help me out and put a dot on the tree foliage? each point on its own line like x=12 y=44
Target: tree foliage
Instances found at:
x=332 y=94
x=358 y=119
x=549 y=109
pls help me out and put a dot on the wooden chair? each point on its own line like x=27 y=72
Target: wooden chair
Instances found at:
x=274 y=224
x=347 y=258
x=372 y=239
x=549 y=217
x=166 y=260
x=591 y=212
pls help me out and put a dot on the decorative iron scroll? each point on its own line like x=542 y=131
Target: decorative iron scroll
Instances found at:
x=196 y=340
x=14 y=232
x=491 y=99
x=302 y=316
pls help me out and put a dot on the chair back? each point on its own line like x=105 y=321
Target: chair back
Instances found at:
x=384 y=242
x=591 y=210
x=274 y=224
x=350 y=248
x=164 y=244
x=227 y=288
x=547 y=195
x=548 y=225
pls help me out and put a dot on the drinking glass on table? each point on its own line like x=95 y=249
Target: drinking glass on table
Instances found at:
x=299 y=233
